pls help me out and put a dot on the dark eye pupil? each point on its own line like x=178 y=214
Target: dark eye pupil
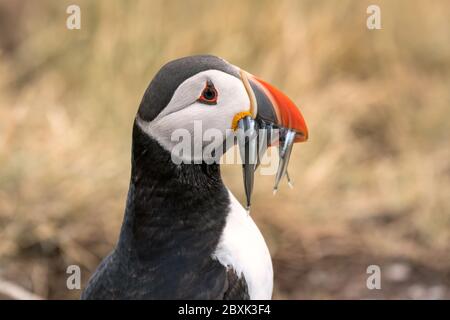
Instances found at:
x=209 y=94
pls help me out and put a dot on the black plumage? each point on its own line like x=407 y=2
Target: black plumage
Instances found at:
x=173 y=221
x=171 y=75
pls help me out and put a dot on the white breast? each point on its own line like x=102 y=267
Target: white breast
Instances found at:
x=243 y=248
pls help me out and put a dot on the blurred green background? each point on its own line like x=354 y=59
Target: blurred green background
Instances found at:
x=372 y=184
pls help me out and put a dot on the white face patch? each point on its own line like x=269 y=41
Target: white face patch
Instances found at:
x=185 y=112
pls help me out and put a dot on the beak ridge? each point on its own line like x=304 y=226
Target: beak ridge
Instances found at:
x=269 y=109
x=276 y=108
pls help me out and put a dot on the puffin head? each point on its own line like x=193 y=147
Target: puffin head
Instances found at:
x=209 y=102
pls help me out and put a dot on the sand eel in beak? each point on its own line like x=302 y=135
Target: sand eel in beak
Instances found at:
x=184 y=235
x=269 y=109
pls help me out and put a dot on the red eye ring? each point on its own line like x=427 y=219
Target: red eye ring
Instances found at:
x=209 y=94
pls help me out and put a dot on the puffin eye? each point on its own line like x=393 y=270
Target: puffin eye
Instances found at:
x=209 y=94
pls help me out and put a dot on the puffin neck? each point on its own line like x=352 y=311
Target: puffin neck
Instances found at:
x=169 y=205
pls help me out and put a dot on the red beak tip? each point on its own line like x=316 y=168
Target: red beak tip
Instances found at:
x=301 y=137
x=287 y=113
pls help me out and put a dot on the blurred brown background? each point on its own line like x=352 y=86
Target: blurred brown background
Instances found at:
x=372 y=185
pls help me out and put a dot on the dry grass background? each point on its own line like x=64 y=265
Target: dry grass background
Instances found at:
x=372 y=185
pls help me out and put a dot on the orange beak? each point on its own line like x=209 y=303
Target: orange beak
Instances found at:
x=269 y=108
x=275 y=107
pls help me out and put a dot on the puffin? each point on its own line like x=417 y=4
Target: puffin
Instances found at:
x=184 y=234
